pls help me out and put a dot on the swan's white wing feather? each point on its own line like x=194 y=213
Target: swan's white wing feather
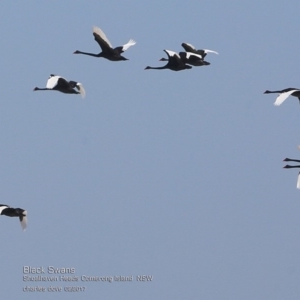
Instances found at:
x=298 y=181
x=81 y=89
x=129 y=44
x=280 y=99
x=189 y=54
x=102 y=35
x=210 y=51
x=24 y=220
x=172 y=53
x=3 y=207
x=52 y=82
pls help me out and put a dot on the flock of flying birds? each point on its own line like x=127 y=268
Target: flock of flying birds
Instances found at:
x=175 y=62
x=283 y=95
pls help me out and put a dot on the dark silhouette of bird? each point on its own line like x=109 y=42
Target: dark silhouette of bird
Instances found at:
x=58 y=83
x=175 y=63
x=189 y=58
x=108 y=52
x=283 y=94
x=203 y=52
x=14 y=212
x=296 y=166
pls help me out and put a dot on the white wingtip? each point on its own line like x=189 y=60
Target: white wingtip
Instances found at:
x=101 y=34
x=24 y=220
x=281 y=98
x=81 y=89
x=298 y=181
x=188 y=54
x=132 y=42
x=171 y=53
x=3 y=206
x=210 y=51
x=129 y=44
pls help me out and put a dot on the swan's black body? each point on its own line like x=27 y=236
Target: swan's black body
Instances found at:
x=190 y=59
x=14 y=212
x=108 y=52
x=175 y=63
x=58 y=83
x=190 y=48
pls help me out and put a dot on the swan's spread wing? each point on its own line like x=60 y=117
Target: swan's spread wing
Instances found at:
x=129 y=44
x=23 y=220
x=80 y=89
x=283 y=96
x=176 y=61
x=298 y=181
x=172 y=54
x=101 y=38
x=3 y=206
x=194 y=56
x=210 y=51
x=174 y=58
x=52 y=81
x=188 y=47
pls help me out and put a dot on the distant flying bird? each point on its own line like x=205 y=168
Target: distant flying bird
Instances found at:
x=175 y=63
x=14 y=212
x=108 y=52
x=296 y=166
x=203 y=52
x=191 y=59
x=284 y=94
x=58 y=83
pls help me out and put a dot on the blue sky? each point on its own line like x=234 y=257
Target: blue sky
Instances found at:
x=176 y=175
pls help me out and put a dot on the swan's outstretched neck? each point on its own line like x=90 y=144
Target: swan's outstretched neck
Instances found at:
x=155 y=68
x=40 y=89
x=290 y=159
x=86 y=53
x=271 y=92
x=290 y=167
